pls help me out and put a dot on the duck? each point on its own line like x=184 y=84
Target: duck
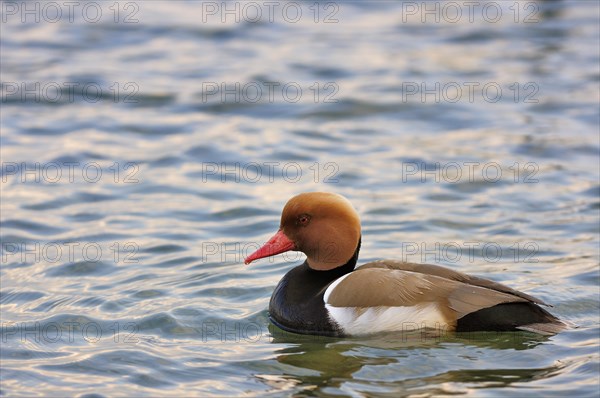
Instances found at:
x=328 y=295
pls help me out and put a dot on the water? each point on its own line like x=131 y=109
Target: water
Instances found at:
x=136 y=176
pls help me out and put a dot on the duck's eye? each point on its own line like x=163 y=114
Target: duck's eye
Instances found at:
x=303 y=220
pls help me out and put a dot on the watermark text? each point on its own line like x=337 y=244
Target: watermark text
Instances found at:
x=452 y=92
x=55 y=252
x=421 y=252
x=70 y=172
x=70 y=11
x=69 y=92
x=255 y=172
x=459 y=172
x=268 y=92
x=269 y=12
x=54 y=332
x=454 y=12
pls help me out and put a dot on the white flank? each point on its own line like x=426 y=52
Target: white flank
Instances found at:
x=357 y=321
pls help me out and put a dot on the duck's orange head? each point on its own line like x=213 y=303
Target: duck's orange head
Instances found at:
x=322 y=225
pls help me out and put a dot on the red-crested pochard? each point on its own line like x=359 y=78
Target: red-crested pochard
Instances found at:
x=326 y=295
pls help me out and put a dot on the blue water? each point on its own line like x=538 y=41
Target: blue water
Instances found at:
x=147 y=147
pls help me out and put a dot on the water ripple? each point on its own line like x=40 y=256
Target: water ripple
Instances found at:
x=193 y=179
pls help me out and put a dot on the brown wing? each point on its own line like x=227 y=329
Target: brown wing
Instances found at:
x=449 y=274
x=381 y=287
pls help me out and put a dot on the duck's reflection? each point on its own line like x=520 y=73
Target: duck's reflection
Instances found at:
x=326 y=363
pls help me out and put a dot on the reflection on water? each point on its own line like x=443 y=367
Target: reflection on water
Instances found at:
x=142 y=161
x=328 y=363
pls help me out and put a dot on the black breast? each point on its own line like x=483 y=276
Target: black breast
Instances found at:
x=297 y=301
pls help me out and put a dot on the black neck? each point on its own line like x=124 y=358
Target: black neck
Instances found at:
x=297 y=301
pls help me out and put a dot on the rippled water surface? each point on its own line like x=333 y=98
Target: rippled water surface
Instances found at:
x=147 y=147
